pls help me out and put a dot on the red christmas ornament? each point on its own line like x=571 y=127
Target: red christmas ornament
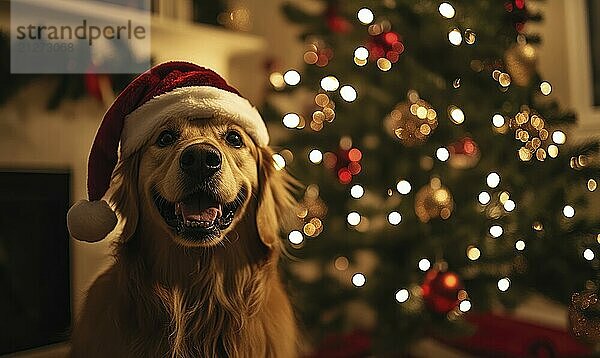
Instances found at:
x=385 y=44
x=345 y=163
x=464 y=153
x=440 y=290
x=335 y=22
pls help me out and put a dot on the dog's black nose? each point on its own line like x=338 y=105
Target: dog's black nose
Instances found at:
x=200 y=160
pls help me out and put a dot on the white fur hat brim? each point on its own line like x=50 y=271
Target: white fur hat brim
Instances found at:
x=193 y=102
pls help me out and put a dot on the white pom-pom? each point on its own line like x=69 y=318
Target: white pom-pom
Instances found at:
x=91 y=221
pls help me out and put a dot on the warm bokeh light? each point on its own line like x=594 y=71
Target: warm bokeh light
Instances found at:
x=291 y=120
x=348 y=93
x=442 y=154
x=493 y=180
x=509 y=205
x=559 y=137
x=365 y=16
x=315 y=156
x=520 y=245
x=496 y=231
x=446 y=10
x=464 y=306
x=394 y=218
x=353 y=218
x=357 y=191
x=296 y=237
x=292 y=77
x=498 y=120
x=403 y=187
x=456 y=115
x=359 y=279
x=484 y=198
x=473 y=253
x=402 y=295
x=545 y=88
x=504 y=284
x=278 y=161
x=424 y=264
x=361 y=53
x=330 y=83
x=588 y=254
x=568 y=211
x=455 y=37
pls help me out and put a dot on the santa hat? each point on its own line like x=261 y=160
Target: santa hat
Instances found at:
x=166 y=91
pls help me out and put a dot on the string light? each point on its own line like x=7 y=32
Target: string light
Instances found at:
x=496 y=231
x=442 y=154
x=296 y=237
x=357 y=191
x=277 y=80
x=424 y=264
x=315 y=156
x=394 y=218
x=504 y=284
x=361 y=53
x=553 y=151
x=464 y=306
x=348 y=93
x=545 y=88
x=509 y=205
x=498 y=120
x=341 y=263
x=403 y=187
x=473 y=253
x=568 y=211
x=358 y=279
x=384 y=64
x=402 y=295
x=484 y=198
x=592 y=185
x=291 y=120
x=365 y=16
x=493 y=180
x=330 y=83
x=455 y=37
x=588 y=254
x=456 y=115
x=292 y=77
x=559 y=137
x=520 y=245
x=470 y=36
x=504 y=79
x=278 y=161
x=446 y=10
x=353 y=218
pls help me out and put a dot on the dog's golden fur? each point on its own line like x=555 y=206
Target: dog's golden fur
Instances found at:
x=167 y=297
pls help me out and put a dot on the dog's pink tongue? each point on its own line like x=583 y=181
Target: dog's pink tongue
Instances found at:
x=200 y=209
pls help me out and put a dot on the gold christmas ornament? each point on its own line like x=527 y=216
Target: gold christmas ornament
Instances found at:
x=433 y=201
x=521 y=60
x=412 y=122
x=584 y=316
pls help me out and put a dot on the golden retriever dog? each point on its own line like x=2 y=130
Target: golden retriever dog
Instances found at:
x=195 y=271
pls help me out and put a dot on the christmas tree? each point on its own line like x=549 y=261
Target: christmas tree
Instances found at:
x=440 y=176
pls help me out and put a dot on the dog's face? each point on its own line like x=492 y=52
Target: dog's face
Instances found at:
x=196 y=178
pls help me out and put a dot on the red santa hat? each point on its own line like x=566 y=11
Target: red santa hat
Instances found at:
x=166 y=91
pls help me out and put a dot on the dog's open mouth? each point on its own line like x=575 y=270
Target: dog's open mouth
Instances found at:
x=199 y=216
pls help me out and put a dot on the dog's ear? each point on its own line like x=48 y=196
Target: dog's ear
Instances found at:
x=276 y=203
x=124 y=195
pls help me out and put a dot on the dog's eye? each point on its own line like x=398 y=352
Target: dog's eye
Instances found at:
x=166 y=138
x=234 y=139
